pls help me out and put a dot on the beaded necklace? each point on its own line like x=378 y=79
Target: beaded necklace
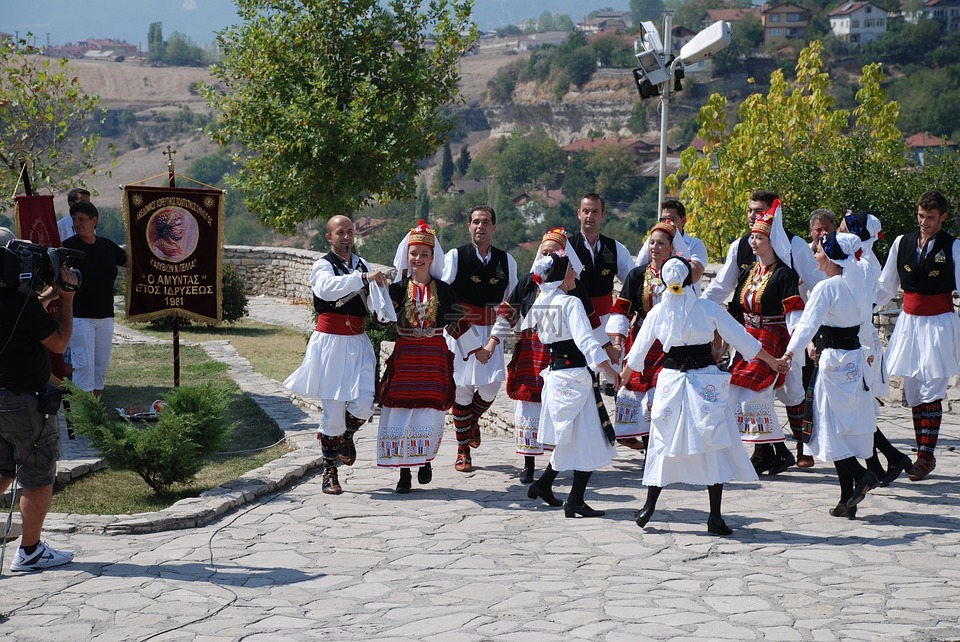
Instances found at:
x=421 y=313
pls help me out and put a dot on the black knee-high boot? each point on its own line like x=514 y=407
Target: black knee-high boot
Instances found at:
x=846 y=481
x=575 y=505
x=897 y=462
x=715 y=523
x=526 y=474
x=406 y=481
x=783 y=458
x=543 y=487
x=644 y=514
x=865 y=480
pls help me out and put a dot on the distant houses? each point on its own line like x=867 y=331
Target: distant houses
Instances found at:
x=857 y=23
x=97 y=48
x=946 y=12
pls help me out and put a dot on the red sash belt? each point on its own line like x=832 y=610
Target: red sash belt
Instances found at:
x=333 y=323
x=927 y=305
x=480 y=314
x=602 y=304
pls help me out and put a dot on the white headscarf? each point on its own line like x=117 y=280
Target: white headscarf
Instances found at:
x=678 y=299
x=402 y=263
x=778 y=236
x=548 y=289
x=853 y=275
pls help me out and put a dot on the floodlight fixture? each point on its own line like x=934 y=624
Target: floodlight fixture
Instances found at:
x=708 y=42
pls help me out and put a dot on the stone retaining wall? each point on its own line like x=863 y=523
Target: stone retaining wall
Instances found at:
x=285 y=273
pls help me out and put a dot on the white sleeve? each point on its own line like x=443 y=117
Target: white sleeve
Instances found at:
x=582 y=333
x=814 y=312
x=698 y=250
x=512 y=276
x=330 y=287
x=645 y=338
x=617 y=324
x=501 y=328
x=956 y=265
x=449 y=266
x=734 y=333
x=890 y=278
x=624 y=261
x=804 y=263
x=725 y=282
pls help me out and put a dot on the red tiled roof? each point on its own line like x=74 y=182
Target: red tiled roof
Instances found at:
x=926 y=139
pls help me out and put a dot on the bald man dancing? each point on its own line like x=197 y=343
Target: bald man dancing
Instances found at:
x=339 y=366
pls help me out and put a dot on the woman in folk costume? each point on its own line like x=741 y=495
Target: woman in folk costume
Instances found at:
x=693 y=436
x=768 y=298
x=641 y=290
x=867 y=227
x=570 y=419
x=530 y=356
x=417 y=387
x=837 y=318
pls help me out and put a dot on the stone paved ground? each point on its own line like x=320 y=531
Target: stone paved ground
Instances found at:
x=469 y=557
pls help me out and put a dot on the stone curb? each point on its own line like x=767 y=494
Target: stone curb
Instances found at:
x=296 y=416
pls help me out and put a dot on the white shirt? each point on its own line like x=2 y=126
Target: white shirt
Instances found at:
x=450 y=268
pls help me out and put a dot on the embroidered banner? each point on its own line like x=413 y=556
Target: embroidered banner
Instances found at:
x=36 y=221
x=175 y=248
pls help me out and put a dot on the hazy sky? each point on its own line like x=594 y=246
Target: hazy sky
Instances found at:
x=72 y=20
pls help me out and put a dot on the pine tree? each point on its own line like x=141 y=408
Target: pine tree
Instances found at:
x=463 y=161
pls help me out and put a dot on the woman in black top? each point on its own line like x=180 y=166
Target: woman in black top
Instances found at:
x=92 y=339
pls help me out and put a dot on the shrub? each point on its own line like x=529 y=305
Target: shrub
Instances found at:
x=167 y=452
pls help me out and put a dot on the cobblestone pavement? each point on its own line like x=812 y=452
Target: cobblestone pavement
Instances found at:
x=469 y=557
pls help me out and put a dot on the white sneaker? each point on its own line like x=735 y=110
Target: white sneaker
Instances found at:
x=44 y=557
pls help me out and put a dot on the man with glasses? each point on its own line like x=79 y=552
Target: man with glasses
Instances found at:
x=740 y=256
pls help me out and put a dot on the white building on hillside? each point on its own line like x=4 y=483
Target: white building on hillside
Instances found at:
x=858 y=22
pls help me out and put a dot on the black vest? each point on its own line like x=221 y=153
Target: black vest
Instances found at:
x=935 y=273
x=597 y=275
x=478 y=283
x=354 y=306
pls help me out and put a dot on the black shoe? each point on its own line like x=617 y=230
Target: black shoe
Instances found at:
x=643 y=516
x=569 y=510
x=535 y=492
x=403 y=486
x=867 y=483
x=716 y=526
x=903 y=465
x=842 y=510
x=781 y=463
x=425 y=474
x=526 y=475
x=762 y=464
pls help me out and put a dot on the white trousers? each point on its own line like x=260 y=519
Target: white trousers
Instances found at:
x=487 y=392
x=90 y=348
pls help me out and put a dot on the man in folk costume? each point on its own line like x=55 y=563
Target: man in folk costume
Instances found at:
x=674 y=213
x=925 y=346
x=481 y=276
x=796 y=255
x=339 y=365
x=603 y=258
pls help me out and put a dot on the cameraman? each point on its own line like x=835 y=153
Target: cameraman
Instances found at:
x=30 y=439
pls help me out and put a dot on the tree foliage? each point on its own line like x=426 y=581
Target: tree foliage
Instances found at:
x=155 y=44
x=643 y=10
x=334 y=102
x=795 y=142
x=47 y=121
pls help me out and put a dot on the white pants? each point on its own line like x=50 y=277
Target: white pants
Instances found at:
x=90 y=348
x=487 y=392
x=917 y=391
x=334 y=420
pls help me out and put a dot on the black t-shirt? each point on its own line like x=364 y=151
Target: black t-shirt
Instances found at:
x=24 y=364
x=94 y=299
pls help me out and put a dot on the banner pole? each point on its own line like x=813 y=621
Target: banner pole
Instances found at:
x=172 y=183
x=26 y=178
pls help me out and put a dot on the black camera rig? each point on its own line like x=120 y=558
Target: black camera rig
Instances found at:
x=30 y=268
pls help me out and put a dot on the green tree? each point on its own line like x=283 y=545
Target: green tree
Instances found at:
x=181 y=50
x=155 y=43
x=445 y=175
x=637 y=123
x=423 y=201
x=48 y=122
x=463 y=161
x=795 y=142
x=333 y=103
x=528 y=161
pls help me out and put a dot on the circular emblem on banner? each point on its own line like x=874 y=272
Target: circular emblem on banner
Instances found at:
x=172 y=234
